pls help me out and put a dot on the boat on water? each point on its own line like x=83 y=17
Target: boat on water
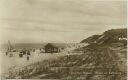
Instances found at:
x=10 y=49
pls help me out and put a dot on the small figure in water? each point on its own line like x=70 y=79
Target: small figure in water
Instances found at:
x=11 y=55
x=20 y=55
x=6 y=53
x=28 y=52
x=27 y=57
x=33 y=50
x=24 y=52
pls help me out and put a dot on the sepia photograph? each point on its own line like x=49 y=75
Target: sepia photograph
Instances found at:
x=63 y=39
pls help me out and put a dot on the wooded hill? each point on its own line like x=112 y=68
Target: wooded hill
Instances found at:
x=108 y=37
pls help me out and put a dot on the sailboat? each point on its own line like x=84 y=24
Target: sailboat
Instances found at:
x=10 y=48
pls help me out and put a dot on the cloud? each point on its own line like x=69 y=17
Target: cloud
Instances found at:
x=59 y=17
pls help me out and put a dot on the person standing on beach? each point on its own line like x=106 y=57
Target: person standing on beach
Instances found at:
x=28 y=52
x=6 y=53
x=28 y=58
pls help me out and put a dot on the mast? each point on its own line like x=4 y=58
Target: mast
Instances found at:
x=9 y=46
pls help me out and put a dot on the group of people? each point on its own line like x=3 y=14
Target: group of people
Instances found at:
x=10 y=54
x=21 y=53
x=25 y=52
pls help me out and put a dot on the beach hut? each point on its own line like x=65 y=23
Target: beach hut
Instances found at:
x=54 y=48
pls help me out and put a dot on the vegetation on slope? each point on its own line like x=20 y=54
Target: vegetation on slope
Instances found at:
x=98 y=62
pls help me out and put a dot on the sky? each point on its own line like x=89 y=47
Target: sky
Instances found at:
x=63 y=21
